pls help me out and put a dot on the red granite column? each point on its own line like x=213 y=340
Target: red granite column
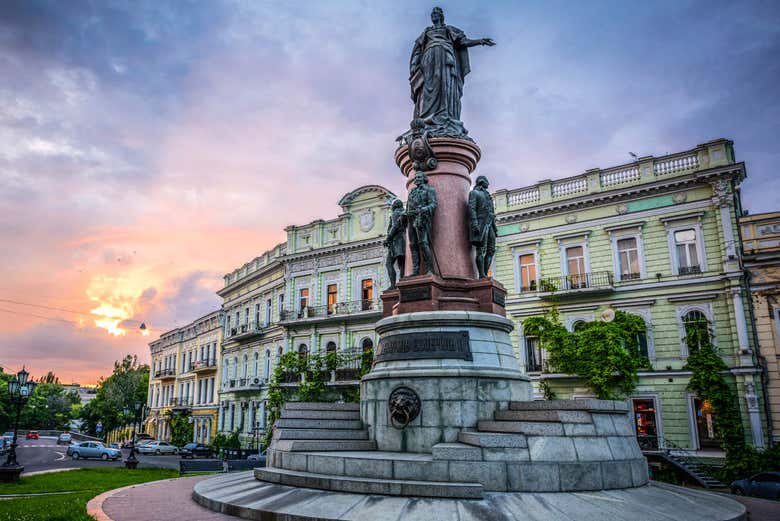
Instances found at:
x=452 y=180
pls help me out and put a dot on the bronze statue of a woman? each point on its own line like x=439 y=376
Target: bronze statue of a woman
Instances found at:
x=438 y=66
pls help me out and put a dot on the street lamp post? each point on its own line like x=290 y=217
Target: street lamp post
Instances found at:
x=19 y=390
x=138 y=410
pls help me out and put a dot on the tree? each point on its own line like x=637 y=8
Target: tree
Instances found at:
x=127 y=384
x=181 y=428
x=49 y=407
x=604 y=354
x=50 y=378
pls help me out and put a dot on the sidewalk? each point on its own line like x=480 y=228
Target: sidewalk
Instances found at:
x=168 y=500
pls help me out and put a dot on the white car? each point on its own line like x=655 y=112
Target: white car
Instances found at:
x=64 y=439
x=158 y=447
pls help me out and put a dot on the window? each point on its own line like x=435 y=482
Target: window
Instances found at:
x=575 y=267
x=257 y=315
x=227 y=326
x=686 y=250
x=642 y=344
x=628 y=258
x=244 y=367
x=256 y=371
x=303 y=351
x=246 y=316
x=697 y=330
x=533 y=354
x=303 y=299
x=333 y=297
x=646 y=423
x=366 y=293
x=527 y=268
x=280 y=299
x=268 y=312
x=578 y=325
x=267 y=369
x=331 y=347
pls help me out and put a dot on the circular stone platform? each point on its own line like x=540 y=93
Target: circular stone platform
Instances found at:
x=242 y=495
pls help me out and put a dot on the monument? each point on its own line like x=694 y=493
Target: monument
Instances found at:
x=447 y=427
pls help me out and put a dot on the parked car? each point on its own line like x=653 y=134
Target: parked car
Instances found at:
x=3 y=446
x=763 y=484
x=93 y=449
x=196 y=450
x=157 y=447
x=114 y=446
x=32 y=435
x=259 y=458
x=64 y=438
x=143 y=436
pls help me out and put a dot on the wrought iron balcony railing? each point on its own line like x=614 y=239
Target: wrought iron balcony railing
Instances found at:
x=600 y=280
x=338 y=309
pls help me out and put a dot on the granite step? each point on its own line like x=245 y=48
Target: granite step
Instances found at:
x=320 y=434
x=544 y=416
x=387 y=487
x=315 y=414
x=323 y=445
x=300 y=423
x=322 y=406
x=522 y=427
x=589 y=404
x=493 y=440
x=456 y=451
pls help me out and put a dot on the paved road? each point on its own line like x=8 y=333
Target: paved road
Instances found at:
x=45 y=454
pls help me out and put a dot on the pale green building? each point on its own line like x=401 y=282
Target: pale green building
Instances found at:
x=658 y=238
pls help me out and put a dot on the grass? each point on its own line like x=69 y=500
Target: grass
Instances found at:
x=87 y=483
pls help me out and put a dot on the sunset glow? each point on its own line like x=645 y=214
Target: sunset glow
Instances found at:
x=148 y=149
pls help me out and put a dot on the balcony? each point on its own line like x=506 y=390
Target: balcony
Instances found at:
x=165 y=374
x=575 y=285
x=246 y=331
x=181 y=403
x=340 y=310
x=352 y=363
x=252 y=383
x=204 y=366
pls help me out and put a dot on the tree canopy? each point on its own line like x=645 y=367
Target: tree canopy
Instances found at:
x=127 y=384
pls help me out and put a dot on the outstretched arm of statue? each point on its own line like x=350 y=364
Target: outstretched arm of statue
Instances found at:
x=465 y=42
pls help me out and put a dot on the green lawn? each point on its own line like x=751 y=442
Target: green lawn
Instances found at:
x=69 y=507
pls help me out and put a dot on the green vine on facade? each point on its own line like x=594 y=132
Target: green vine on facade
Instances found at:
x=606 y=355
x=181 y=428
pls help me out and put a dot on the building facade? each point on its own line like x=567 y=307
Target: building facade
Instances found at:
x=184 y=377
x=317 y=292
x=657 y=238
x=761 y=246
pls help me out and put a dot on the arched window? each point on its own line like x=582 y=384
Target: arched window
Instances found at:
x=279 y=352
x=303 y=351
x=697 y=330
x=267 y=371
x=331 y=347
x=257 y=365
x=225 y=370
x=579 y=324
x=235 y=367
x=367 y=344
x=244 y=366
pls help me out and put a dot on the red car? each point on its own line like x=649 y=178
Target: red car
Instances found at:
x=32 y=435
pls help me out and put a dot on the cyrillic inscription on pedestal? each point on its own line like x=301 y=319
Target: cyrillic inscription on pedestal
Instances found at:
x=499 y=297
x=417 y=345
x=414 y=294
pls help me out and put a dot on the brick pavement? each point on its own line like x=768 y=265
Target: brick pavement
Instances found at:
x=167 y=500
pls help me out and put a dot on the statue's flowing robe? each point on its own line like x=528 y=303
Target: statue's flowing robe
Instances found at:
x=438 y=66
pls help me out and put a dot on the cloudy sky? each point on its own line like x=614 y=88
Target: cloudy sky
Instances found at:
x=146 y=148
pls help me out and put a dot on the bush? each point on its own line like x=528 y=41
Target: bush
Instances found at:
x=745 y=461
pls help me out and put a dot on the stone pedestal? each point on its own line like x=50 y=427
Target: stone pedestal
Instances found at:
x=434 y=293
x=457 y=159
x=457 y=387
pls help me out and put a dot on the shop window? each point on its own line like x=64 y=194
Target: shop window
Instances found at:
x=705 y=424
x=646 y=423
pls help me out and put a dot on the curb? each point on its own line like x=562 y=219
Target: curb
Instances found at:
x=49 y=471
x=95 y=505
